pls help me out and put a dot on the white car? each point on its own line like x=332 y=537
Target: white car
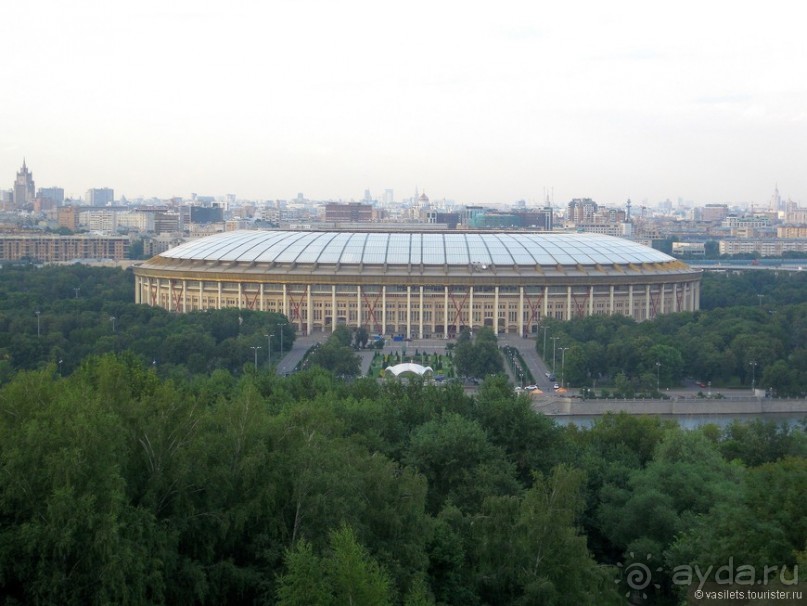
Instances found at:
x=530 y=388
x=556 y=386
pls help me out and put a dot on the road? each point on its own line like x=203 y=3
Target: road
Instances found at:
x=301 y=345
x=526 y=347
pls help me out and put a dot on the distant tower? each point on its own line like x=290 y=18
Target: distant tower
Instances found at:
x=776 y=199
x=24 y=191
x=627 y=211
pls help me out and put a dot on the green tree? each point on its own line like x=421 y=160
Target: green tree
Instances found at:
x=341 y=360
x=480 y=357
x=459 y=462
x=362 y=336
x=529 y=550
x=304 y=582
x=345 y=575
x=355 y=577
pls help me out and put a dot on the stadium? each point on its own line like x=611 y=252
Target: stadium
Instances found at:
x=419 y=285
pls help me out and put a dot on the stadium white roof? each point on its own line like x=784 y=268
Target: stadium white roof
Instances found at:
x=397 y=248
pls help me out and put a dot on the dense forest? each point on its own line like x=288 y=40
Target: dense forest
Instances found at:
x=62 y=314
x=120 y=487
x=210 y=482
x=751 y=330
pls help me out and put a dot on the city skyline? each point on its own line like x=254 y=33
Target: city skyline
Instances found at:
x=701 y=102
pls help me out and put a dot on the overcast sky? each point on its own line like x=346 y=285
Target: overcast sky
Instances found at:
x=477 y=102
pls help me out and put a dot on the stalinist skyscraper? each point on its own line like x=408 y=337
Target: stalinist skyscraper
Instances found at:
x=24 y=187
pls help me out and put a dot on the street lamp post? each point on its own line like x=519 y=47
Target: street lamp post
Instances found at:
x=562 y=364
x=753 y=365
x=554 y=347
x=255 y=349
x=544 y=356
x=658 y=375
x=37 y=321
x=76 y=291
x=60 y=366
x=113 y=318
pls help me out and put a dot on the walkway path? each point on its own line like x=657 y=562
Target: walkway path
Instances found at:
x=301 y=345
x=526 y=347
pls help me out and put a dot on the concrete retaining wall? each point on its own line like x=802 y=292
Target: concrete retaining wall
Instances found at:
x=673 y=406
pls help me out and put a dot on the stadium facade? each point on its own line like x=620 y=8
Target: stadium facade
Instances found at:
x=419 y=285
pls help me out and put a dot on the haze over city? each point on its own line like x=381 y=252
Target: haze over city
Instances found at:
x=481 y=104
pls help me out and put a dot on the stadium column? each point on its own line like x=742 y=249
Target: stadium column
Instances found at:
x=184 y=296
x=309 y=310
x=630 y=301
x=546 y=301
x=358 y=305
x=647 y=302
x=239 y=295
x=521 y=311
x=138 y=286
x=285 y=301
x=383 y=310
x=471 y=308
x=591 y=300
x=661 y=300
x=408 y=312
x=445 y=313
x=611 y=300
x=333 y=307
x=262 y=307
x=420 y=314
x=201 y=294
x=696 y=295
x=218 y=298
x=496 y=310
x=568 y=303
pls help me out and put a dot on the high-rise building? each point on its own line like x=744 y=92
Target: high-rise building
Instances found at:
x=24 y=190
x=388 y=197
x=67 y=216
x=54 y=194
x=777 y=203
x=6 y=199
x=581 y=210
x=100 y=196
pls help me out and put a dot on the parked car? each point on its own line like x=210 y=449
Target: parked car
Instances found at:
x=530 y=388
x=556 y=386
